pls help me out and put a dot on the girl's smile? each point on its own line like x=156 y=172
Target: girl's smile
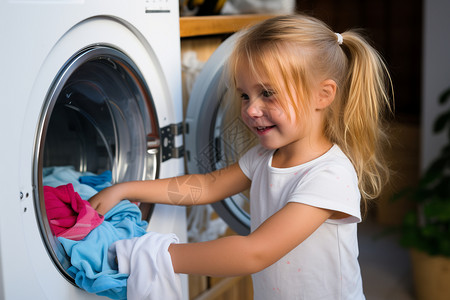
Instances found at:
x=261 y=130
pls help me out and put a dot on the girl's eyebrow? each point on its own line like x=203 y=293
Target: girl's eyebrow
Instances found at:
x=265 y=86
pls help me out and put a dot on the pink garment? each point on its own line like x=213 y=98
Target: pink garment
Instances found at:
x=69 y=216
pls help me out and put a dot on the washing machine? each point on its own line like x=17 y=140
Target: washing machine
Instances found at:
x=90 y=84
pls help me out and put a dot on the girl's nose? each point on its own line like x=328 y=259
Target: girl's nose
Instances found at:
x=254 y=109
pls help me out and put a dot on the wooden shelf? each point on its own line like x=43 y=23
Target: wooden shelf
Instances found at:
x=213 y=25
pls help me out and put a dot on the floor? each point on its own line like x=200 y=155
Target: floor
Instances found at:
x=385 y=265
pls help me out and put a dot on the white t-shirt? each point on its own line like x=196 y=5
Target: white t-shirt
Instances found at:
x=325 y=265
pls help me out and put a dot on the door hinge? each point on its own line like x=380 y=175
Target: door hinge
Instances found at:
x=168 y=135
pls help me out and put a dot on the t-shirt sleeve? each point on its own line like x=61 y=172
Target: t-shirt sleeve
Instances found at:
x=331 y=187
x=248 y=163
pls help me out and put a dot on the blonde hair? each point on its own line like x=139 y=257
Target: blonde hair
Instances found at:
x=301 y=51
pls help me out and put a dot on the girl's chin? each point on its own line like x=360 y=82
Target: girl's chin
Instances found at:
x=267 y=145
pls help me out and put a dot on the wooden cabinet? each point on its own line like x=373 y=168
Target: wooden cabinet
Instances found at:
x=216 y=25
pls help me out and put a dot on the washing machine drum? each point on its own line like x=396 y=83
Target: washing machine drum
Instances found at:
x=97 y=117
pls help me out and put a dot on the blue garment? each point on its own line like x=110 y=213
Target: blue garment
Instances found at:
x=89 y=257
x=96 y=181
x=56 y=176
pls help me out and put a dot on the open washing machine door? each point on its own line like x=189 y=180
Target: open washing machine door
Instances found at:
x=215 y=135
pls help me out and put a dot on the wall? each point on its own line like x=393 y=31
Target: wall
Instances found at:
x=436 y=73
x=395 y=28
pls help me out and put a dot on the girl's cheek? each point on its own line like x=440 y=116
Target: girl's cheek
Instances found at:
x=244 y=113
x=275 y=111
x=245 y=117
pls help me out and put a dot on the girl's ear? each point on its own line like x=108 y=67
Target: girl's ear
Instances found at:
x=327 y=92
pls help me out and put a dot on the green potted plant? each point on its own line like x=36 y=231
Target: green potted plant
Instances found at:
x=426 y=229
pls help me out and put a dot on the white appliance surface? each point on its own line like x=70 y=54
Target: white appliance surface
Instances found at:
x=38 y=38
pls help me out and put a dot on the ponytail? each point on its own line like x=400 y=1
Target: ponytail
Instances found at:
x=357 y=125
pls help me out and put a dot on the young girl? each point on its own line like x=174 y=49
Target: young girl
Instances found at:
x=315 y=100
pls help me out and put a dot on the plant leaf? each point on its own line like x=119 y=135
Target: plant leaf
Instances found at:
x=441 y=121
x=444 y=96
x=438 y=210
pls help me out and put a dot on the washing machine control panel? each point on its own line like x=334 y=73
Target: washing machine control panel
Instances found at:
x=157 y=6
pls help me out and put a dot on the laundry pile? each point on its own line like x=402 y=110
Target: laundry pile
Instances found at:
x=92 y=268
x=106 y=251
x=85 y=235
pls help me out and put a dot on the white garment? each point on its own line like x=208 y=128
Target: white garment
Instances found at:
x=149 y=264
x=325 y=265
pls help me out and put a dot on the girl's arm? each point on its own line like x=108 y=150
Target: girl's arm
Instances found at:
x=241 y=255
x=183 y=190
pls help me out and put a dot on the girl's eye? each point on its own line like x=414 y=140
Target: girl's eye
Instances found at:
x=267 y=93
x=244 y=96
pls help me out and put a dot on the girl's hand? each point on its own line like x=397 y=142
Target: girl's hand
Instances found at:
x=106 y=199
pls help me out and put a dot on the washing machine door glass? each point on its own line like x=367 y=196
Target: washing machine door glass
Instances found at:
x=97 y=121
x=215 y=134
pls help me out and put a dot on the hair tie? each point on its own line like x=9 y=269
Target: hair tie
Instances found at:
x=340 y=39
